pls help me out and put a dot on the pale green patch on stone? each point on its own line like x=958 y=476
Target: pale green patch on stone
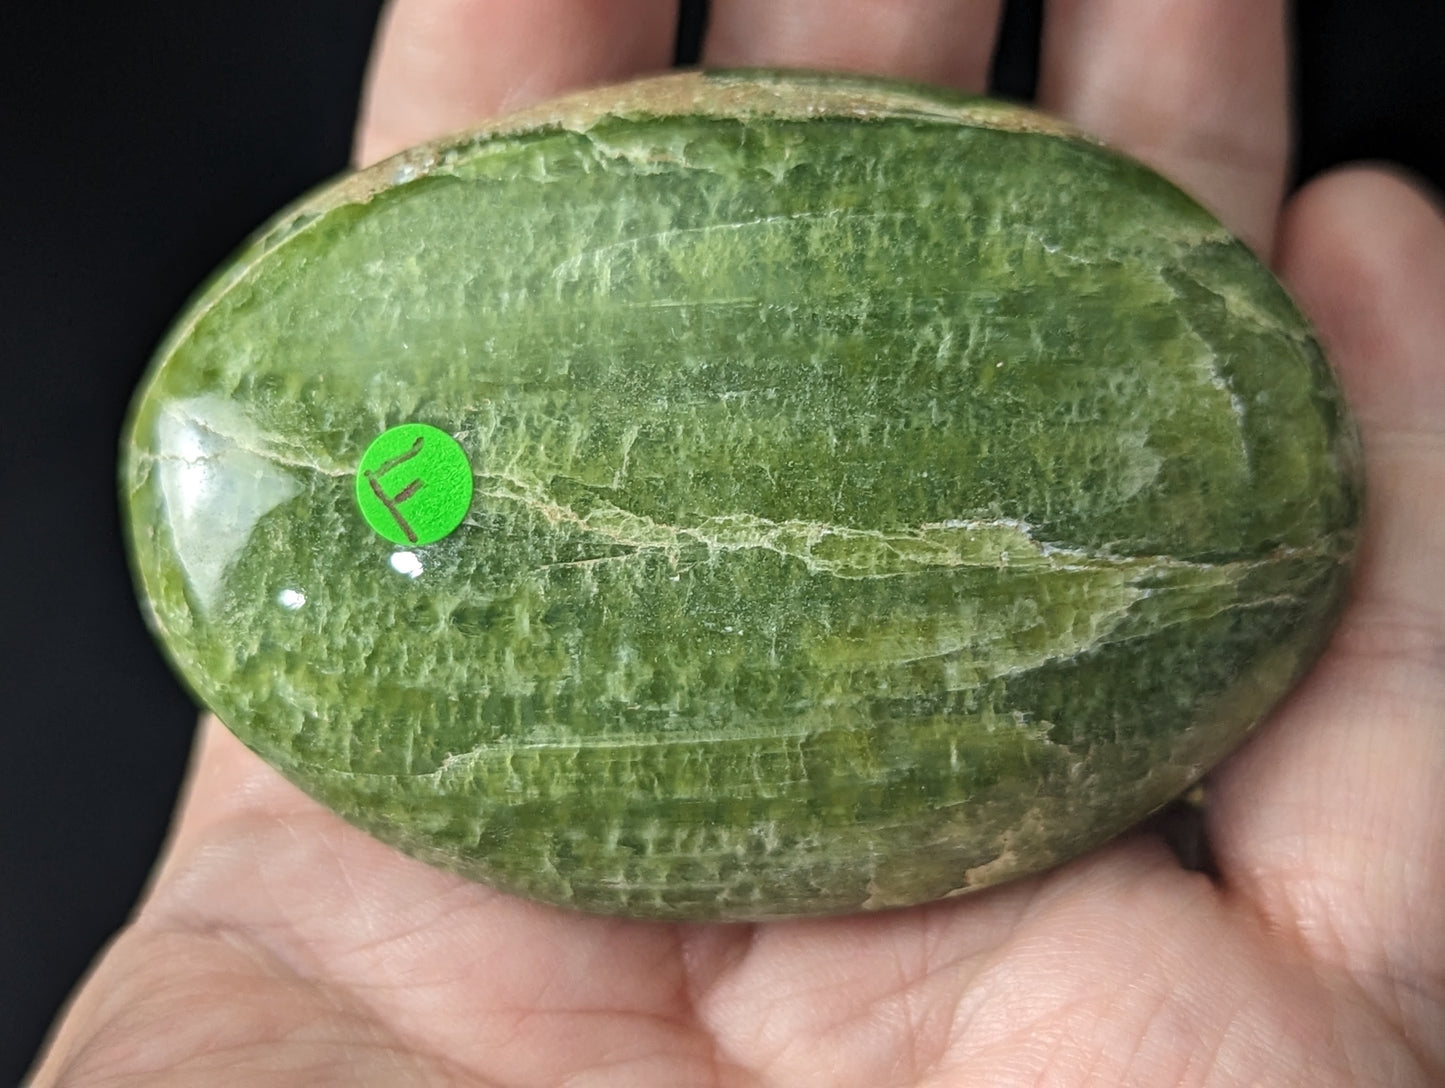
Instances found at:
x=877 y=494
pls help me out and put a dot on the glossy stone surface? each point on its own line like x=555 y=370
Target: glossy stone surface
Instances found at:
x=877 y=495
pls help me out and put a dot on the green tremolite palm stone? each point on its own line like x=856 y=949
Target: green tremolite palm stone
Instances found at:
x=811 y=494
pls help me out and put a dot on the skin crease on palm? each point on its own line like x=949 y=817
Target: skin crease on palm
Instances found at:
x=277 y=946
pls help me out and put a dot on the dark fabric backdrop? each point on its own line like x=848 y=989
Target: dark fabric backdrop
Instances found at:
x=140 y=142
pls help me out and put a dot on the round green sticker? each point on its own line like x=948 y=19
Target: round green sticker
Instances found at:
x=414 y=484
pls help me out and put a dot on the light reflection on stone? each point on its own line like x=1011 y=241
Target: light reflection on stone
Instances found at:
x=215 y=488
x=408 y=563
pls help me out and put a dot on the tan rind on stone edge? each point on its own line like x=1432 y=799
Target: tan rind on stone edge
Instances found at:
x=770 y=95
x=742 y=93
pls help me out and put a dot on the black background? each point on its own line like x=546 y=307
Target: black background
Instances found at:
x=141 y=141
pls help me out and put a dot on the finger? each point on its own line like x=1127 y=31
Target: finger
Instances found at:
x=1198 y=89
x=936 y=41
x=441 y=65
x=1329 y=822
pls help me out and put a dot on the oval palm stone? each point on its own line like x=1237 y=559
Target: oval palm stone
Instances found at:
x=873 y=494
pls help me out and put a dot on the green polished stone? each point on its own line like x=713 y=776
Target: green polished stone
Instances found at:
x=877 y=494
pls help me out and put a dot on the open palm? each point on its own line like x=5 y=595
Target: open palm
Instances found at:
x=279 y=946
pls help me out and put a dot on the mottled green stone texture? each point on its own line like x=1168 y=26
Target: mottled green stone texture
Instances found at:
x=878 y=494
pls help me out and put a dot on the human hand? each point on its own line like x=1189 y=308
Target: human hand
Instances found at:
x=278 y=946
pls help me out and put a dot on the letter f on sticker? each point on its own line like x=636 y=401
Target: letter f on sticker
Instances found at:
x=393 y=502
